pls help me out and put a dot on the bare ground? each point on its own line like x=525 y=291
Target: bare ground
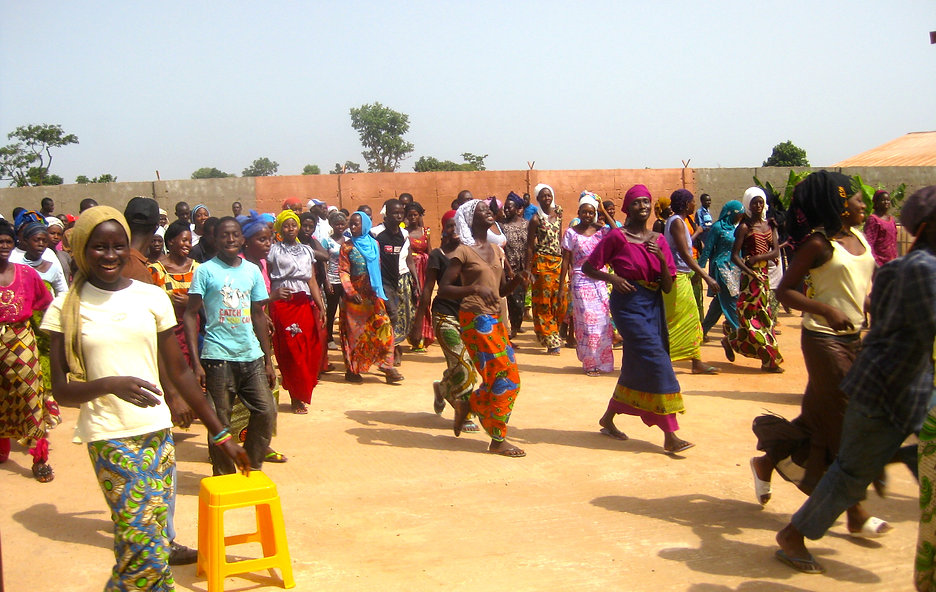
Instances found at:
x=379 y=494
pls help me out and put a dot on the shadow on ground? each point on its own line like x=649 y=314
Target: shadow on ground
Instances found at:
x=713 y=520
x=69 y=527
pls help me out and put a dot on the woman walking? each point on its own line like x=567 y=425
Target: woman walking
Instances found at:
x=838 y=262
x=296 y=309
x=544 y=260
x=27 y=409
x=459 y=377
x=106 y=335
x=881 y=229
x=515 y=229
x=716 y=251
x=420 y=245
x=590 y=307
x=475 y=275
x=682 y=312
x=173 y=273
x=333 y=290
x=366 y=333
x=643 y=268
x=755 y=245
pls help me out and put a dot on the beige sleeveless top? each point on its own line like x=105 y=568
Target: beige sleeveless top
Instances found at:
x=843 y=282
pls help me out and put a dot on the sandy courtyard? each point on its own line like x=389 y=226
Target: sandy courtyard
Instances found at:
x=379 y=494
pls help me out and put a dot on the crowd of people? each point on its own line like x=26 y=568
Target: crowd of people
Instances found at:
x=116 y=310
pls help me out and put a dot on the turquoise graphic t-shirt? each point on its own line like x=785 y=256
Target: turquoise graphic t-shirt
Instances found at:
x=227 y=293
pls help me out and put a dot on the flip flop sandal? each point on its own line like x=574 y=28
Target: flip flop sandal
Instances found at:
x=275 y=457
x=871 y=529
x=807 y=566
x=681 y=448
x=709 y=370
x=761 y=487
x=470 y=426
x=593 y=372
x=617 y=436
x=513 y=452
x=299 y=408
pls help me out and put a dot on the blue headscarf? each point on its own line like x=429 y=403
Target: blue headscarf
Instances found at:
x=368 y=248
x=25 y=217
x=252 y=224
x=195 y=209
x=729 y=210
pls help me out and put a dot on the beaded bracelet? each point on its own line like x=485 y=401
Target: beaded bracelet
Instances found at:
x=224 y=439
x=220 y=435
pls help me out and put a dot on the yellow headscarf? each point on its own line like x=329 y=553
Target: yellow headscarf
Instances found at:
x=660 y=205
x=282 y=217
x=71 y=308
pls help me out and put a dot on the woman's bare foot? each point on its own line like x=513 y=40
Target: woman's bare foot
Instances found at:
x=462 y=409
x=504 y=448
x=609 y=429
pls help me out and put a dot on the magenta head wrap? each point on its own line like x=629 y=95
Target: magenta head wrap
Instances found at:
x=633 y=193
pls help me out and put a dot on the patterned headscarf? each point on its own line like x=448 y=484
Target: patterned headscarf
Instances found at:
x=71 y=308
x=463 y=217
x=749 y=195
x=369 y=249
x=818 y=200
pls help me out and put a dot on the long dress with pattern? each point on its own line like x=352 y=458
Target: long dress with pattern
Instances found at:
x=419 y=247
x=547 y=295
x=590 y=305
x=754 y=337
x=176 y=283
x=366 y=333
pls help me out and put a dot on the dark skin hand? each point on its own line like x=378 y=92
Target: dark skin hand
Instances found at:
x=140 y=392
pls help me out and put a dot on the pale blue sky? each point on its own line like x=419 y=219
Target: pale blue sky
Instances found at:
x=176 y=86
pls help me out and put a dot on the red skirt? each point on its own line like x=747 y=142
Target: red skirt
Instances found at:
x=298 y=340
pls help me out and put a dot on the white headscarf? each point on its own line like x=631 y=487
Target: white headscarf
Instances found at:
x=749 y=196
x=589 y=198
x=535 y=200
x=53 y=221
x=463 y=217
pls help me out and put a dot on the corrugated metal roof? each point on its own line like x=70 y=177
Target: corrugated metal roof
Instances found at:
x=913 y=149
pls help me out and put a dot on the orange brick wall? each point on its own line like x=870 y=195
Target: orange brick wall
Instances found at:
x=435 y=191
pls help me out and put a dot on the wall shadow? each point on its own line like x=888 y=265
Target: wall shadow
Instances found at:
x=69 y=527
x=712 y=520
x=410 y=439
x=758 y=396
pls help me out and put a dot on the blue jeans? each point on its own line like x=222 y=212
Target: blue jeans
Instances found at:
x=869 y=441
x=248 y=381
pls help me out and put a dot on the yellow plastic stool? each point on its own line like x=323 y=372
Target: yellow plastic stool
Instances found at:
x=227 y=492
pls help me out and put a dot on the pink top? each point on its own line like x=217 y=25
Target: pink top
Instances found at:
x=629 y=260
x=25 y=294
x=263 y=272
x=882 y=236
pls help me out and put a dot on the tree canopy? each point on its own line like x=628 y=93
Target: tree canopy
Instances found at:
x=210 y=173
x=311 y=169
x=27 y=160
x=262 y=167
x=473 y=162
x=104 y=178
x=381 y=132
x=787 y=154
x=347 y=167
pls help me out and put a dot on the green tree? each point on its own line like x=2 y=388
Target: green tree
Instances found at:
x=27 y=160
x=348 y=167
x=262 y=167
x=210 y=173
x=381 y=130
x=787 y=154
x=104 y=178
x=82 y=180
x=429 y=163
x=311 y=169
